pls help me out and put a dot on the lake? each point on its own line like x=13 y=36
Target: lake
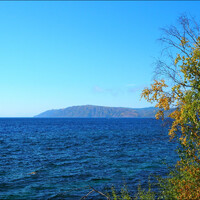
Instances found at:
x=58 y=158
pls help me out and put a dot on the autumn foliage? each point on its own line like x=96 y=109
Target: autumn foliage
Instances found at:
x=179 y=88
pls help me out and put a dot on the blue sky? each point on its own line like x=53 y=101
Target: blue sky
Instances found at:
x=60 y=54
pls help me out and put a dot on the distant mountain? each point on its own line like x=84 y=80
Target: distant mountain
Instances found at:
x=90 y=111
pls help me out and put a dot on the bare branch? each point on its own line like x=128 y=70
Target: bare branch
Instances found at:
x=101 y=193
x=84 y=197
x=180 y=39
x=94 y=190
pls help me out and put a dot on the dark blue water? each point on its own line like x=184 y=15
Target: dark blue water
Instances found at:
x=58 y=158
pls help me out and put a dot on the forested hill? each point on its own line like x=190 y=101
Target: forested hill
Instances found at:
x=90 y=111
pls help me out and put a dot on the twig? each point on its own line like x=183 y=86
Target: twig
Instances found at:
x=87 y=194
x=94 y=190
x=100 y=193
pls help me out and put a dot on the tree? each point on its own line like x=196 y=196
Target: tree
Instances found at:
x=177 y=86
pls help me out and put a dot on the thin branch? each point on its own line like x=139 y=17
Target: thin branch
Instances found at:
x=94 y=190
x=87 y=194
x=101 y=193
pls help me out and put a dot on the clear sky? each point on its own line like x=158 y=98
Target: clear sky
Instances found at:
x=59 y=54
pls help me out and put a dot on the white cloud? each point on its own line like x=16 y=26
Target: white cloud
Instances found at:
x=136 y=88
x=109 y=91
x=98 y=89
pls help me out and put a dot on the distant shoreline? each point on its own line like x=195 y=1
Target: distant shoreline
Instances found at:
x=91 y=111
